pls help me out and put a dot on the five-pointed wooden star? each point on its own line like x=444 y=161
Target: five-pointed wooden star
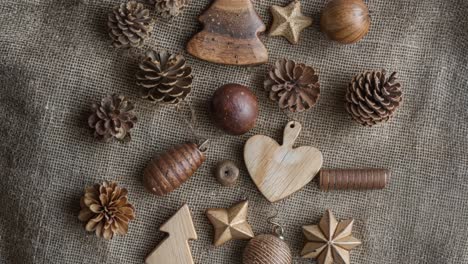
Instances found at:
x=230 y=223
x=288 y=21
x=330 y=241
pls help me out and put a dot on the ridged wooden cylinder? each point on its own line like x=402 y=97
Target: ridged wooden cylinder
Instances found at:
x=169 y=170
x=267 y=249
x=354 y=179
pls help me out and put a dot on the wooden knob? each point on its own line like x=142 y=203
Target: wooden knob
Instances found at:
x=227 y=173
x=354 y=179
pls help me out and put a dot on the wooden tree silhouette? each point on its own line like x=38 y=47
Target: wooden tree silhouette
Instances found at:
x=230 y=34
x=175 y=248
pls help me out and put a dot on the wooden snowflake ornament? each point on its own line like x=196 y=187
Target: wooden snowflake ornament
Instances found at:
x=330 y=241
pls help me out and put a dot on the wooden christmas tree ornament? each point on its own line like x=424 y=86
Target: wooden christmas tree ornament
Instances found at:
x=289 y=21
x=354 y=179
x=230 y=224
x=175 y=249
x=169 y=170
x=230 y=34
x=281 y=170
x=330 y=241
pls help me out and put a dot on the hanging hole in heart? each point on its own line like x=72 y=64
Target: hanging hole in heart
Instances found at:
x=292 y=126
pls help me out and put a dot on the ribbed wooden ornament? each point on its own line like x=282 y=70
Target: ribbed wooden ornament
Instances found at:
x=267 y=249
x=169 y=170
x=354 y=179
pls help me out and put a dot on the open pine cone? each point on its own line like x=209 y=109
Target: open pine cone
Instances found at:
x=169 y=8
x=164 y=77
x=372 y=98
x=105 y=210
x=129 y=25
x=113 y=117
x=293 y=85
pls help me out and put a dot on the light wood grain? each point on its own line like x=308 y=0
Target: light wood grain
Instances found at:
x=175 y=248
x=230 y=34
x=231 y=223
x=281 y=170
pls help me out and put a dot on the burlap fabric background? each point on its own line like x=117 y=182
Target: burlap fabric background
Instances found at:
x=56 y=59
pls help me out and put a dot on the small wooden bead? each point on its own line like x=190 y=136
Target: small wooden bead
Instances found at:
x=227 y=173
x=234 y=109
x=354 y=179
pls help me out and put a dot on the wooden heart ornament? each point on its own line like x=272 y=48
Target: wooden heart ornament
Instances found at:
x=281 y=170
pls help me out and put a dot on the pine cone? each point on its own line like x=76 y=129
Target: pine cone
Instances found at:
x=293 y=85
x=164 y=77
x=106 y=210
x=112 y=118
x=170 y=8
x=372 y=98
x=129 y=25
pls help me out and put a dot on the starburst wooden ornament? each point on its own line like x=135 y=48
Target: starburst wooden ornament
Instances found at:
x=330 y=241
x=230 y=224
x=289 y=21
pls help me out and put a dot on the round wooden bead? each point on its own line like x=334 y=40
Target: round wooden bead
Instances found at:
x=227 y=173
x=169 y=170
x=267 y=249
x=234 y=109
x=345 y=21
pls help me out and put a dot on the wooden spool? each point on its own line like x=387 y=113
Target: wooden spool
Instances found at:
x=267 y=249
x=169 y=170
x=354 y=179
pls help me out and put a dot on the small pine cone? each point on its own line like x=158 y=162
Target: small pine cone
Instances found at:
x=105 y=210
x=164 y=77
x=113 y=117
x=294 y=86
x=170 y=8
x=129 y=25
x=372 y=98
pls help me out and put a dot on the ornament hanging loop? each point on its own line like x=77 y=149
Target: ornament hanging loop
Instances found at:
x=278 y=230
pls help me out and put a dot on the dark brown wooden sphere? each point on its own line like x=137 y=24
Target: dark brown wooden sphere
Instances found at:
x=234 y=109
x=267 y=249
x=345 y=21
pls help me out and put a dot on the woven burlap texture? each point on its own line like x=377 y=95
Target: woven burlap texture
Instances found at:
x=56 y=58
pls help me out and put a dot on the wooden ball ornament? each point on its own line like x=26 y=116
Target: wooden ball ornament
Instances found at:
x=234 y=109
x=345 y=21
x=169 y=170
x=267 y=249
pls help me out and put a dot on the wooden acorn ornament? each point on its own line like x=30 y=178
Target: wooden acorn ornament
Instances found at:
x=281 y=170
x=230 y=34
x=169 y=170
x=345 y=21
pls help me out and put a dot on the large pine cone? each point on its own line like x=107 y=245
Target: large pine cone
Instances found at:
x=129 y=25
x=170 y=8
x=164 y=77
x=105 y=210
x=113 y=117
x=293 y=85
x=372 y=98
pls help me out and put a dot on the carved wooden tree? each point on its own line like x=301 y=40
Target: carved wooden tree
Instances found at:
x=230 y=34
x=175 y=248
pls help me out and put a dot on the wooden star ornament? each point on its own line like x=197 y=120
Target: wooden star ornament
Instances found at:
x=230 y=224
x=330 y=241
x=289 y=21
